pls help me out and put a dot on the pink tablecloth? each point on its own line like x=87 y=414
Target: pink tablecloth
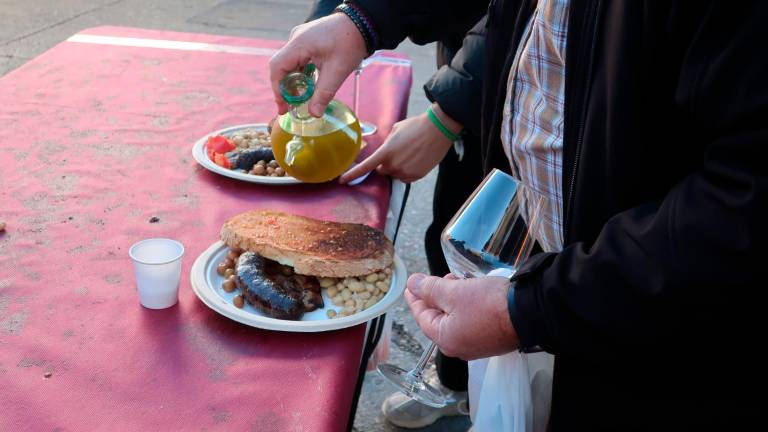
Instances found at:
x=95 y=139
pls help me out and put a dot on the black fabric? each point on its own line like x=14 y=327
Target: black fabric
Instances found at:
x=457 y=85
x=321 y=8
x=665 y=202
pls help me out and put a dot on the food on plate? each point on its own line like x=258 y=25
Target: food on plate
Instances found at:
x=310 y=246
x=281 y=263
x=248 y=151
x=266 y=286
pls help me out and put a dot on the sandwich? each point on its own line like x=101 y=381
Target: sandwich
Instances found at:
x=281 y=262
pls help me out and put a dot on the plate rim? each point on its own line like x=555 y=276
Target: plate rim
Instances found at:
x=205 y=293
x=200 y=156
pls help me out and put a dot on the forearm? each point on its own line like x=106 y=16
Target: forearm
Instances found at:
x=656 y=273
x=423 y=21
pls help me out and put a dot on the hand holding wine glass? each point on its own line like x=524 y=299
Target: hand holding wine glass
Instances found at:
x=466 y=318
x=490 y=235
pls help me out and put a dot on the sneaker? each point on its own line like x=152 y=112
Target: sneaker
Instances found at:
x=404 y=412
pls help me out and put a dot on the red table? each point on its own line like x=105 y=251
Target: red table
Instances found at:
x=95 y=139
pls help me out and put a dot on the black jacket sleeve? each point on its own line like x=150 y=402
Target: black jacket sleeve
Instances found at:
x=321 y=8
x=457 y=86
x=691 y=266
x=422 y=21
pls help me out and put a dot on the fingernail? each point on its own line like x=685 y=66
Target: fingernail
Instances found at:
x=417 y=280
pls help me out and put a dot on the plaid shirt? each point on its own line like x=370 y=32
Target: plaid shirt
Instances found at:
x=532 y=129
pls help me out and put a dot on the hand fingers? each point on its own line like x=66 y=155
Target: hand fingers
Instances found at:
x=427 y=318
x=290 y=58
x=369 y=164
x=332 y=75
x=434 y=291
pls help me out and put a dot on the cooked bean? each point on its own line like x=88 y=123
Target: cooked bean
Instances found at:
x=220 y=269
x=326 y=282
x=259 y=169
x=279 y=171
x=371 y=302
x=370 y=287
x=332 y=292
x=229 y=272
x=373 y=277
x=338 y=300
x=228 y=263
x=270 y=170
x=365 y=295
x=273 y=164
x=262 y=163
x=340 y=286
x=356 y=286
x=381 y=285
x=349 y=303
x=239 y=301
x=346 y=294
x=228 y=285
x=331 y=313
x=381 y=275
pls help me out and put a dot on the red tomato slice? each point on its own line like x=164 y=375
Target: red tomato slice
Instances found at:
x=219 y=144
x=221 y=160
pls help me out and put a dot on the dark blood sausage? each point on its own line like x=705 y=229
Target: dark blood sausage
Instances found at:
x=267 y=287
x=246 y=159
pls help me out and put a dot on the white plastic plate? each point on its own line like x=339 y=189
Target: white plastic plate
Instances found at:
x=200 y=155
x=207 y=285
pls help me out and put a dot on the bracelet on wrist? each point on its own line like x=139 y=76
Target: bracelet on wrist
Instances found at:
x=441 y=127
x=363 y=24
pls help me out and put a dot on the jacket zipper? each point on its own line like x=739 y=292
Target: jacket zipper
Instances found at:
x=581 y=123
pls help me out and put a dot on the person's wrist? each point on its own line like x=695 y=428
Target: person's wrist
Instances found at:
x=447 y=120
x=362 y=22
x=507 y=327
x=440 y=125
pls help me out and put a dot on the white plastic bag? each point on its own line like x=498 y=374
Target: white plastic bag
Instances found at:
x=511 y=393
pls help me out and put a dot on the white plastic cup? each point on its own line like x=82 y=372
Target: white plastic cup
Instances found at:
x=157 y=263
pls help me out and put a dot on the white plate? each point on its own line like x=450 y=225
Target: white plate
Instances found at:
x=207 y=285
x=201 y=156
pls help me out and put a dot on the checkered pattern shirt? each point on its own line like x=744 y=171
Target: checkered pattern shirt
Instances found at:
x=532 y=128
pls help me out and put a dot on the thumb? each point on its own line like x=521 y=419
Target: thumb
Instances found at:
x=331 y=76
x=434 y=291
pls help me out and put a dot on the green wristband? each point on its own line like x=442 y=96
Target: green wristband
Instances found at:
x=440 y=126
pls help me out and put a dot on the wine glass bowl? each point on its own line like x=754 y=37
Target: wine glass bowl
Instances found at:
x=492 y=233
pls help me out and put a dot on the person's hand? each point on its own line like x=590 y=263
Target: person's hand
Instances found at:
x=333 y=44
x=466 y=318
x=410 y=151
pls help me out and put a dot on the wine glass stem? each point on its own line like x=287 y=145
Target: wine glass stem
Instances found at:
x=356 y=96
x=425 y=356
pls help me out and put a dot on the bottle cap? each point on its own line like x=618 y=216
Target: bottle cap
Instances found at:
x=298 y=87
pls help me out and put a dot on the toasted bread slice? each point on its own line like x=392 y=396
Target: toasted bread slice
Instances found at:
x=310 y=246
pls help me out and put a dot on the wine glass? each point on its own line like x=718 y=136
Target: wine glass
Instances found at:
x=490 y=235
x=366 y=128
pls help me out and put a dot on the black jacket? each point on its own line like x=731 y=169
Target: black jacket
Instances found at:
x=653 y=307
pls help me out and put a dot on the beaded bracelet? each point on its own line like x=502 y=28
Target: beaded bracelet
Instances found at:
x=440 y=126
x=363 y=24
